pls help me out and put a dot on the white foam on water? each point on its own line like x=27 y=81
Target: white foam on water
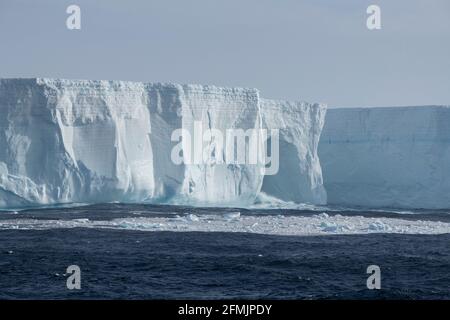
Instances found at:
x=320 y=224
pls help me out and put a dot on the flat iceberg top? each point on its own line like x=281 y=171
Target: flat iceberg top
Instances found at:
x=287 y=104
x=122 y=84
x=388 y=108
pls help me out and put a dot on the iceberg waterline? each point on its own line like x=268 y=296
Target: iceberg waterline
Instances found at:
x=80 y=141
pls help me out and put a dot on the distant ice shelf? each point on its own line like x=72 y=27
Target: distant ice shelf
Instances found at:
x=392 y=157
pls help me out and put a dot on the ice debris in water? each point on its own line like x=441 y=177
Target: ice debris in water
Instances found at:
x=139 y=225
x=301 y=225
x=232 y=215
x=329 y=226
x=379 y=226
x=192 y=217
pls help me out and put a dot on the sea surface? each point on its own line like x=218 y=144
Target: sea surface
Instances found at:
x=171 y=252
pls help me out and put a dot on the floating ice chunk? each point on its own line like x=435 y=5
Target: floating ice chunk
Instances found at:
x=192 y=217
x=328 y=226
x=232 y=215
x=323 y=215
x=379 y=226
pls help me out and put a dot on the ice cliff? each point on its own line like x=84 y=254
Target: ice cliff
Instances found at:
x=299 y=176
x=387 y=157
x=65 y=141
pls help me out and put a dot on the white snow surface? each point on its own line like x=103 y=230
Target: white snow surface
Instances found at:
x=80 y=141
x=397 y=157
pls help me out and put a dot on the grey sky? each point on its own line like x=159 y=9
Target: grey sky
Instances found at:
x=313 y=50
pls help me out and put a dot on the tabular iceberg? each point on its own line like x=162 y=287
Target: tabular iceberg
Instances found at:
x=387 y=157
x=66 y=141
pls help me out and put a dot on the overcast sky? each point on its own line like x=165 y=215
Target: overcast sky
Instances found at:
x=314 y=50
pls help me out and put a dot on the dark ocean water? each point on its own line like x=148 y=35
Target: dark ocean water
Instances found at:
x=130 y=264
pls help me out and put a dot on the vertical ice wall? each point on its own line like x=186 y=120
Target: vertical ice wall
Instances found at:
x=202 y=183
x=299 y=178
x=68 y=141
x=65 y=141
x=387 y=157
